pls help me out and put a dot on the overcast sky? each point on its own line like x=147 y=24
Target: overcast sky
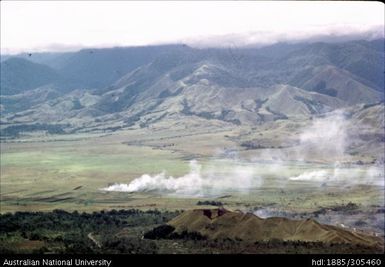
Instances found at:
x=70 y=25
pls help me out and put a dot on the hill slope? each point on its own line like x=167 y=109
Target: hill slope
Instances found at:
x=139 y=86
x=222 y=224
x=19 y=75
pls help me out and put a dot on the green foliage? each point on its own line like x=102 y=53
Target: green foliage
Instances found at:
x=210 y=203
x=129 y=245
x=65 y=232
x=15 y=130
x=162 y=231
x=167 y=232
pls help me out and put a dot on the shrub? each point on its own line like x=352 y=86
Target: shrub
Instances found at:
x=211 y=203
x=159 y=232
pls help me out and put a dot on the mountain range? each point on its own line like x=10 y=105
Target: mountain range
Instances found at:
x=129 y=87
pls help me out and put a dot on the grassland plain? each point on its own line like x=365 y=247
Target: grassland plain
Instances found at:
x=69 y=174
x=68 y=171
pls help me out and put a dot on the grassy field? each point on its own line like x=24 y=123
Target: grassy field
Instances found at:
x=69 y=174
x=69 y=171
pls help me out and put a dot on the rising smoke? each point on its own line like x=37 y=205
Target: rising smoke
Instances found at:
x=326 y=138
x=212 y=181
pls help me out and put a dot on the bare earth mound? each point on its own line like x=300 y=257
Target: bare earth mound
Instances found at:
x=225 y=224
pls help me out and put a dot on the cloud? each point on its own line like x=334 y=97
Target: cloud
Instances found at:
x=200 y=23
x=330 y=34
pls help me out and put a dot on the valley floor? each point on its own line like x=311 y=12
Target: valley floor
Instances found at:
x=68 y=172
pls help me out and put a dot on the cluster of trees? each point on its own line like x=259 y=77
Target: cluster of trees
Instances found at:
x=129 y=245
x=15 y=130
x=68 y=232
x=167 y=232
x=210 y=203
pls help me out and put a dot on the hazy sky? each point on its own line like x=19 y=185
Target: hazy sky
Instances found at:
x=69 y=25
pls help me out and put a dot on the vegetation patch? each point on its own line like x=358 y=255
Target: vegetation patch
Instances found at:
x=209 y=203
x=15 y=130
x=64 y=232
x=167 y=232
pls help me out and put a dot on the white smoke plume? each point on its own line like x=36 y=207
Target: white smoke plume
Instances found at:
x=373 y=175
x=319 y=176
x=195 y=183
x=327 y=136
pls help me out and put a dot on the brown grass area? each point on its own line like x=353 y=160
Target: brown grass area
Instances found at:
x=225 y=224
